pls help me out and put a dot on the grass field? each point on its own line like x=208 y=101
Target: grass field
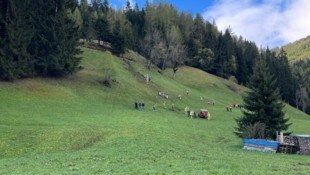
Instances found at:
x=76 y=125
x=298 y=50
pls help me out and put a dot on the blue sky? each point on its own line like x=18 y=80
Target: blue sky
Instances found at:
x=192 y=6
x=267 y=22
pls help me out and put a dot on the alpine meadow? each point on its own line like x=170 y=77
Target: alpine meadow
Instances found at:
x=88 y=88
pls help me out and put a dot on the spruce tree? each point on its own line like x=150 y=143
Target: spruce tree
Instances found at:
x=262 y=104
x=102 y=29
x=117 y=40
x=3 y=12
x=54 y=45
x=3 y=35
x=65 y=35
x=285 y=79
x=77 y=17
x=16 y=34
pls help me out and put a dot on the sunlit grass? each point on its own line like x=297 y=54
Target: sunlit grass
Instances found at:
x=76 y=125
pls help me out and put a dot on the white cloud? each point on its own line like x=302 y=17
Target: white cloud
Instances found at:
x=132 y=2
x=268 y=22
x=122 y=3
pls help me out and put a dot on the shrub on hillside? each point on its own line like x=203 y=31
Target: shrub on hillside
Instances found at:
x=108 y=77
x=256 y=131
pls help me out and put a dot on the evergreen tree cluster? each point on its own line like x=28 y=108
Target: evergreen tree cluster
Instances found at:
x=301 y=75
x=281 y=70
x=37 y=38
x=98 y=21
x=168 y=38
x=292 y=79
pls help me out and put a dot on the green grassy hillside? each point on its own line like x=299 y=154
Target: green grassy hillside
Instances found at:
x=76 y=125
x=299 y=49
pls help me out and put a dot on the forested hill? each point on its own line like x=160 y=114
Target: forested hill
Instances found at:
x=298 y=55
x=298 y=50
x=41 y=39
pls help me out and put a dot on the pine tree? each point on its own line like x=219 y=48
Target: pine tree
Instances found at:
x=4 y=74
x=84 y=5
x=54 y=45
x=15 y=61
x=301 y=72
x=117 y=40
x=3 y=12
x=103 y=5
x=285 y=79
x=86 y=16
x=102 y=29
x=77 y=17
x=262 y=104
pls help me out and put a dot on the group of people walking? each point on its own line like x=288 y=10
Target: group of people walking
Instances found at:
x=139 y=105
x=190 y=113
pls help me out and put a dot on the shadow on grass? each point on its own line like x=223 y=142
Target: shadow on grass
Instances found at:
x=87 y=142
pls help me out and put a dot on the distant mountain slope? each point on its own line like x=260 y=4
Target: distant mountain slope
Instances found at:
x=298 y=50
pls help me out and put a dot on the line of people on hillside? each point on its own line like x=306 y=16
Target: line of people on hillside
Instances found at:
x=234 y=105
x=190 y=113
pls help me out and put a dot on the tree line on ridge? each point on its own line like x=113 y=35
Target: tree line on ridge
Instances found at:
x=41 y=38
